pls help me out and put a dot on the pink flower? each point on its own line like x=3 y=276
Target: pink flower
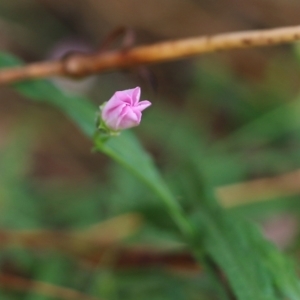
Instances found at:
x=123 y=110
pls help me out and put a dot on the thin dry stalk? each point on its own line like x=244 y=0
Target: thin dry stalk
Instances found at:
x=83 y=65
x=26 y=285
x=262 y=189
x=93 y=249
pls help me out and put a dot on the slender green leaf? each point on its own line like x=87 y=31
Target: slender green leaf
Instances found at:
x=125 y=149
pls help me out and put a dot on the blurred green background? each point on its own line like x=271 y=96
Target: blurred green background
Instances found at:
x=72 y=218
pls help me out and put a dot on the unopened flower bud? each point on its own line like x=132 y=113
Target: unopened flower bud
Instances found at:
x=123 y=110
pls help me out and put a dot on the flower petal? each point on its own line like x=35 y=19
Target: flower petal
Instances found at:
x=113 y=102
x=111 y=116
x=130 y=96
x=129 y=118
x=136 y=94
x=143 y=105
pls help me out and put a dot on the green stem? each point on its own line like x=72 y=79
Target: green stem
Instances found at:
x=162 y=192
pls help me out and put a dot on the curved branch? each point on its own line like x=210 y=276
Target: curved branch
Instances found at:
x=78 y=65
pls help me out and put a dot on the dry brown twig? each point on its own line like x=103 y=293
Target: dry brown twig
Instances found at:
x=92 y=245
x=93 y=249
x=262 y=189
x=26 y=285
x=83 y=65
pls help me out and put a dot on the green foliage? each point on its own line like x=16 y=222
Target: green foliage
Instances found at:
x=81 y=111
x=219 y=239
